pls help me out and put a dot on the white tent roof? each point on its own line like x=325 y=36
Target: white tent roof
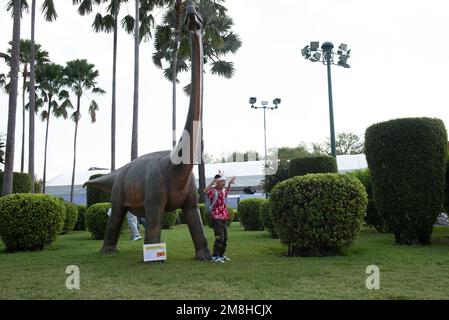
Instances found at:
x=253 y=170
x=351 y=162
x=81 y=176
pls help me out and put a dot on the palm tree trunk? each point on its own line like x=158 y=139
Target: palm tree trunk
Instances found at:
x=22 y=157
x=114 y=81
x=174 y=66
x=46 y=141
x=14 y=75
x=32 y=97
x=74 y=147
x=134 y=139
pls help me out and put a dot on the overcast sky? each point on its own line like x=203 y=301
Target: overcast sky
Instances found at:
x=398 y=69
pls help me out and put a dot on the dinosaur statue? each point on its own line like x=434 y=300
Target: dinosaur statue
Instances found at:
x=159 y=182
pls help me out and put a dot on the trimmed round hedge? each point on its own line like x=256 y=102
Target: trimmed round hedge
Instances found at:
x=96 y=219
x=407 y=159
x=29 y=221
x=95 y=195
x=248 y=211
x=71 y=216
x=81 y=223
x=307 y=165
x=168 y=219
x=372 y=217
x=265 y=217
x=318 y=214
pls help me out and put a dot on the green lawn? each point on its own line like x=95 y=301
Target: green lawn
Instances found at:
x=258 y=270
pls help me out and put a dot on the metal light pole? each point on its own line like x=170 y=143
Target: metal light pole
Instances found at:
x=264 y=106
x=326 y=56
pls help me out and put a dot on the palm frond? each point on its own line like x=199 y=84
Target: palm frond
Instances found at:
x=49 y=11
x=188 y=89
x=223 y=68
x=93 y=108
x=128 y=24
x=44 y=115
x=108 y=23
x=98 y=24
x=76 y=116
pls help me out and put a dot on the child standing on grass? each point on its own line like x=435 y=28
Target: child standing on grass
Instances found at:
x=219 y=214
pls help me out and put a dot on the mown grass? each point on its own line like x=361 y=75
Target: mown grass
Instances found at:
x=259 y=270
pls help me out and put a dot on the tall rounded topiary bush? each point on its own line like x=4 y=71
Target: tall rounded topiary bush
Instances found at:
x=446 y=192
x=94 y=195
x=372 y=217
x=265 y=217
x=407 y=159
x=318 y=214
x=29 y=221
x=96 y=219
x=71 y=217
x=248 y=211
x=81 y=222
x=316 y=164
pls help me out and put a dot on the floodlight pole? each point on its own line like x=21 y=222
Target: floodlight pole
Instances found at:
x=327 y=49
x=265 y=134
x=264 y=107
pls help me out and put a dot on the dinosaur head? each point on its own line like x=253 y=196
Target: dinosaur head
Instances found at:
x=194 y=21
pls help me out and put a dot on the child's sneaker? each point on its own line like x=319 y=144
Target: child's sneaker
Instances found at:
x=217 y=259
x=224 y=258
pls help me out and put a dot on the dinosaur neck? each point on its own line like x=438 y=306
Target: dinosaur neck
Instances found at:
x=188 y=149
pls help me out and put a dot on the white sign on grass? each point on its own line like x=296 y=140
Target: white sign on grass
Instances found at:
x=154 y=252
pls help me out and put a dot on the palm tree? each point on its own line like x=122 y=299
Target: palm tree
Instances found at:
x=14 y=74
x=141 y=25
x=80 y=76
x=218 y=41
x=25 y=58
x=107 y=23
x=50 y=82
x=48 y=9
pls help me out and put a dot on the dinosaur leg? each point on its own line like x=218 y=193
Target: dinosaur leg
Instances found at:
x=113 y=228
x=153 y=214
x=193 y=218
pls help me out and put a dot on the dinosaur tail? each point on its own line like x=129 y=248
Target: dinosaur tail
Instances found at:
x=104 y=183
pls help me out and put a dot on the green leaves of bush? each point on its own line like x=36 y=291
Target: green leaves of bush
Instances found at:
x=248 y=211
x=29 y=221
x=168 y=219
x=318 y=214
x=407 y=159
x=71 y=217
x=97 y=219
x=265 y=217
